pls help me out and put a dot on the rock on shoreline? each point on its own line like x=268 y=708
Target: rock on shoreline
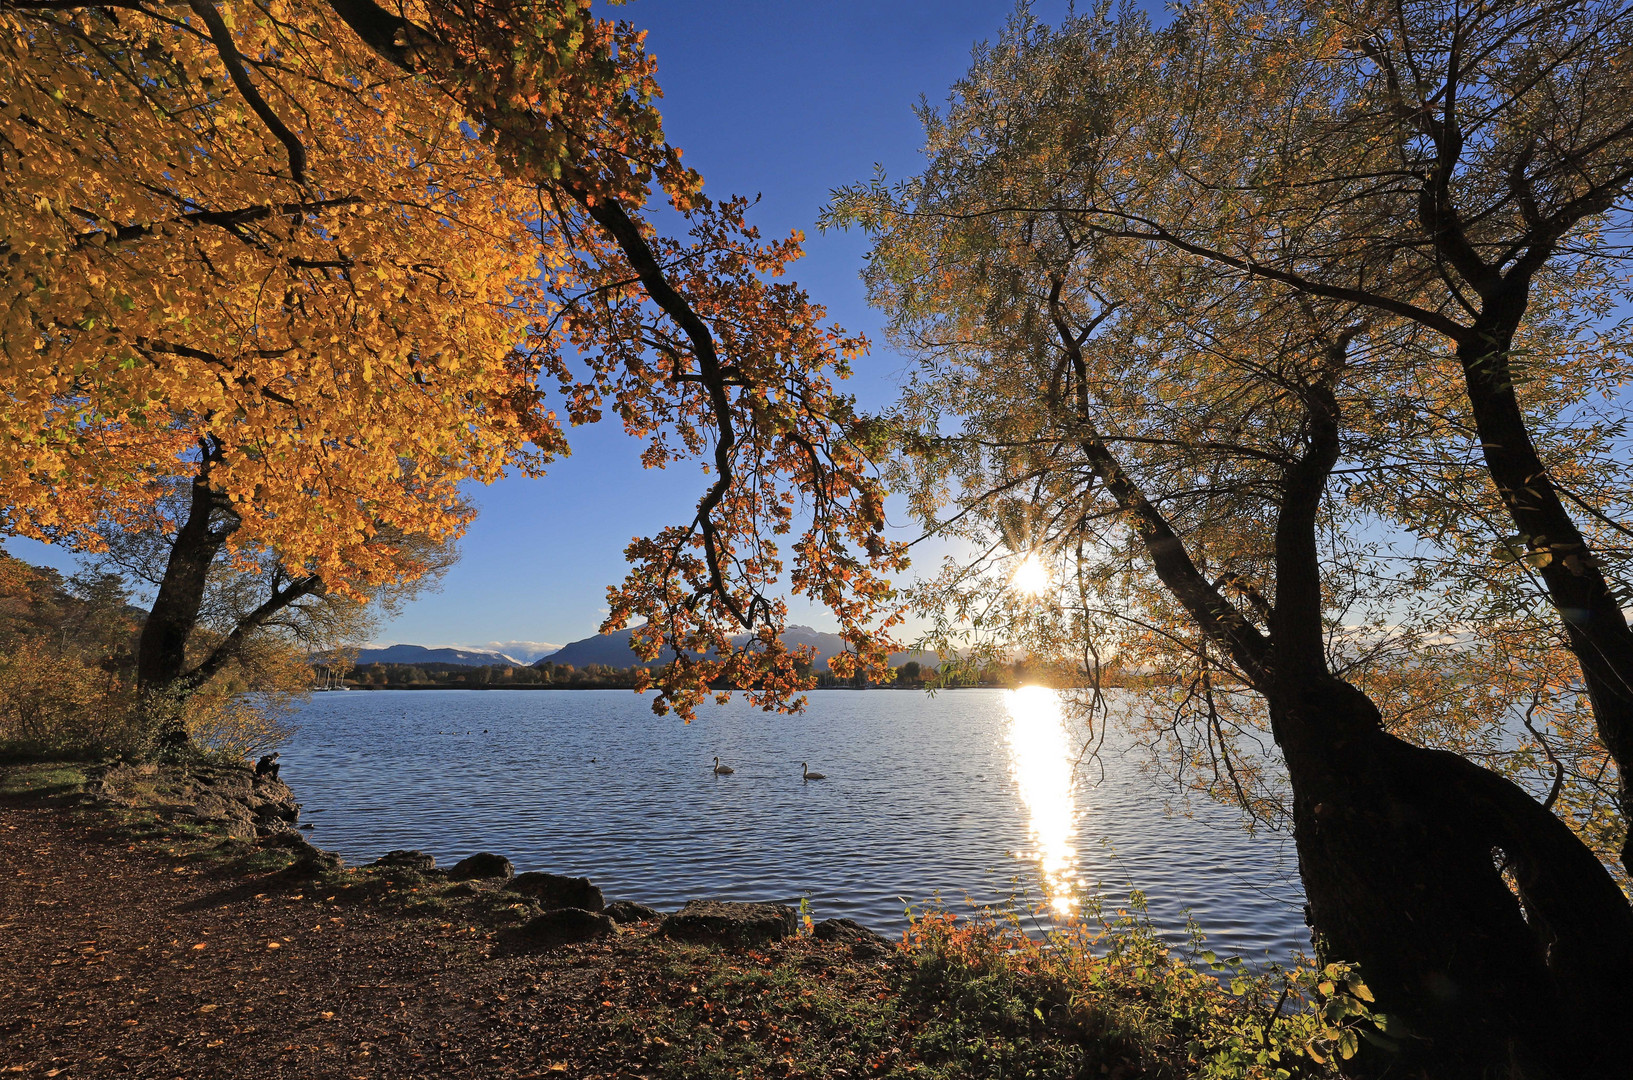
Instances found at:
x=726 y=923
x=482 y=866
x=558 y=891
x=247 y=806
x=565 y=926
x=573 y=909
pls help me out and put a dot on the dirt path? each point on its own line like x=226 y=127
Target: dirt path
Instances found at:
x=123 y=962
x=125 y=959
x=141 y=939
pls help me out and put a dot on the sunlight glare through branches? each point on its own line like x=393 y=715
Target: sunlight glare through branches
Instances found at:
x=1031 y=577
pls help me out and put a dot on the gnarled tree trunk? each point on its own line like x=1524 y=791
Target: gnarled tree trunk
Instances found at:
x=1595 y=628
x=1402 y=851
x=163 y=673
x=161 y=657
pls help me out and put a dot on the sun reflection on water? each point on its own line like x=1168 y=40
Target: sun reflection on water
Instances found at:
x=1041 y=761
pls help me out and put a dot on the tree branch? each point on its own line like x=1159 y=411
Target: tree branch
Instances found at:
x=233 y=645
x=1215 y=616
x=234 y=63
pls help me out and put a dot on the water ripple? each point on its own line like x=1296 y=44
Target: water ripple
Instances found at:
x=925 y=798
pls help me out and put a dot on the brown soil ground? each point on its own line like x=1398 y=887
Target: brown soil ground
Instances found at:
x=133 y=955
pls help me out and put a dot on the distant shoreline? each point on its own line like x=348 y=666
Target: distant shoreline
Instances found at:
x=538 y=686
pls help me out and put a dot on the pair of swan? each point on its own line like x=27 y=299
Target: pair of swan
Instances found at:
x=805 y=771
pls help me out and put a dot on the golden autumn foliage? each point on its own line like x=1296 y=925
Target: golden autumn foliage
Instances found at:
x=348 y=341
x=333 y=258
x=52 y=703
x=67 y=678
x=786 y=450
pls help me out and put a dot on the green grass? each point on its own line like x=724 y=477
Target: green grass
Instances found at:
x=41 y=779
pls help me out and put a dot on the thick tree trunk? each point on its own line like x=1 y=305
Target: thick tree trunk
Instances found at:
x=161 y=657
x=1402 y=852
x=1594 y=625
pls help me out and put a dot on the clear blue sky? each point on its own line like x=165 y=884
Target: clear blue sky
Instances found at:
x=781 y=98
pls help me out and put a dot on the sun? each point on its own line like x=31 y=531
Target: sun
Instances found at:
x=1031 y=577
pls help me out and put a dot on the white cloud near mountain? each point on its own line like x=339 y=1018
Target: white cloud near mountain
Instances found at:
x=524 y=651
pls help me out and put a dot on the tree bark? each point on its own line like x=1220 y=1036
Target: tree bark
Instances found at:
x=161 y=656
x=1402 y=852
x=163 y=675
x=1595 y=628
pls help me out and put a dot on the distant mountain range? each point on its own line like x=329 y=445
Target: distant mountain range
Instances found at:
x=419 y=654
x=612 y=650
x=608 y=650
x=525 y=651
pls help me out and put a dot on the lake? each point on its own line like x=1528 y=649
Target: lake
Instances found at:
x=971 y=795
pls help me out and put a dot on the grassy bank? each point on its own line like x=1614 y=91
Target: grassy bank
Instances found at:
x=440 y=979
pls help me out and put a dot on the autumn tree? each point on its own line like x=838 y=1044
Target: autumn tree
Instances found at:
x=237 y=603
x=1453 y=167
x=394 y=227
x=288 y=349
x=1207 y=459
x=1470 y=165
x=67 y=647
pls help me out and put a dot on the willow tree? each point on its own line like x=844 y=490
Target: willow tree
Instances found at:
x=1455 y=167
x=326 y=262
x=1206 y=458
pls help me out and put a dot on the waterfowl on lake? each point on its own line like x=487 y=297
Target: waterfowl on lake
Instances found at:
x=722 y=770
x=807 y=774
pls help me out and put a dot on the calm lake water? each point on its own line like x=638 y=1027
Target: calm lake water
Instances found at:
x=971 y=794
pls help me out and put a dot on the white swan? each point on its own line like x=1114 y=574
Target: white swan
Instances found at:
x=807 y=774
x=722 y=770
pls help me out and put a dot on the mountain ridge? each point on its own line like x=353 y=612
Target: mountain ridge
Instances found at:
x=612 y=650
x=421 y=654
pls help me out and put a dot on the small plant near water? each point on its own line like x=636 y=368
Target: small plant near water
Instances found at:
x=1111 y=993
x=973 y=997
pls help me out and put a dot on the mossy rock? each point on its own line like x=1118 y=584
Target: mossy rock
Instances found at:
x=417 y=861
x=862 y=941
x=724 y=922
x=558 y=891
x=565 y=926
x=628 y=911
x=481 y=866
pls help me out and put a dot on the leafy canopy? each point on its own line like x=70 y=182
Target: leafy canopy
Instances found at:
x=348 y=251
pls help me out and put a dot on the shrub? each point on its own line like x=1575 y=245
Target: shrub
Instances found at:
x=56 y=704
x=1112 y=996
x=245 y=709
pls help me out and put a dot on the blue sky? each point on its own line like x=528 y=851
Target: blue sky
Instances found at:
x=781 y=98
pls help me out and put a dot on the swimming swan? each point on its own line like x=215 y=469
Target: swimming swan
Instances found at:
x=809 y=775
x=722 y=770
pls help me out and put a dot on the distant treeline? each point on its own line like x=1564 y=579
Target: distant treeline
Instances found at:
x=548 y=676
x=488 y=677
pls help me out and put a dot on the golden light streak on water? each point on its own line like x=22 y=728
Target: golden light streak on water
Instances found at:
x=1040 y=761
